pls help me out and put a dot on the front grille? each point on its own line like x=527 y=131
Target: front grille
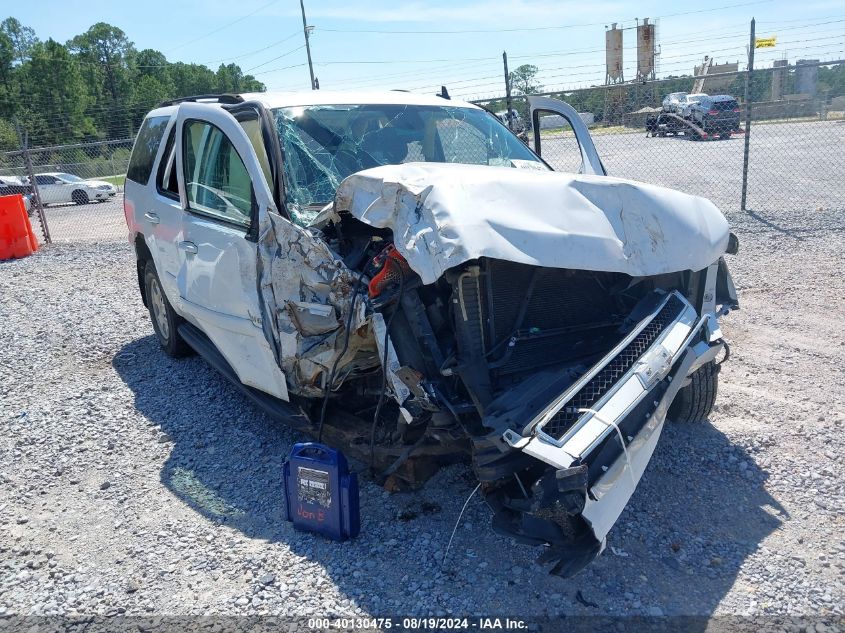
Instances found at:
x=559 y=300
x=599 y=385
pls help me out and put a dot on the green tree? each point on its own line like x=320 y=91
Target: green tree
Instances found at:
x=96 y=86
x=8 y=84
x=524 y=80
x=192 y=79
x=55 y=95
x=22 y=37
x=105 y=51
x=230 y=78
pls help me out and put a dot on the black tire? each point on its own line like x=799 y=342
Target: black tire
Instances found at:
x=165 y=320
x=694 y=402
x=79 y=197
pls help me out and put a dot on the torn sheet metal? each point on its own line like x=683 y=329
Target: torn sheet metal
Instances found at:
x=306 y=293
x=443 y=215
x=399 y=390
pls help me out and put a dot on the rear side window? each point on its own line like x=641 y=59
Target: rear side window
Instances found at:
x=146 y=147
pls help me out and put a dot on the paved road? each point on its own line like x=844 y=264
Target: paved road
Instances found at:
x=794 y=167
x=94 y=222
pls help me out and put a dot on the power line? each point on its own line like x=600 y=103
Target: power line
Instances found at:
x=225 y=26
x=269 y=61
x=255 y=52
x=538 y=28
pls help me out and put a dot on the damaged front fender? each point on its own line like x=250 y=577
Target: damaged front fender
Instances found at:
x=307 y=293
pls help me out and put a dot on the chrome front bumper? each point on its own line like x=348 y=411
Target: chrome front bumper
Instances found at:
x=684 y=342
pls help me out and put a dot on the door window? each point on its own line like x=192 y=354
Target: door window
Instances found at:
x=560 y=145
x=166 y=181
x=45 y=180
x=217 y=182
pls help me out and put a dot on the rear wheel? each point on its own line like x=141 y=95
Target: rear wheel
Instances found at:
x=694 y=402
x=79 y=197
x=164 y=317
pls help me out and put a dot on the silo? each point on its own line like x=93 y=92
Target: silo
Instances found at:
x=613 y=55
x=645 y=50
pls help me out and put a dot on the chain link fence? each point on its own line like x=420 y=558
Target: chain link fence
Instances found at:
x=796 y=136
x=75 y=192
x=795 y=156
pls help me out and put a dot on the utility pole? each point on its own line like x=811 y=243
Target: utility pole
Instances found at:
x=507 y=91
x=306 y=29
x=748 y=87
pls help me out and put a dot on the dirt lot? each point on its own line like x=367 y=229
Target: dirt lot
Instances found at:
x=133 y=483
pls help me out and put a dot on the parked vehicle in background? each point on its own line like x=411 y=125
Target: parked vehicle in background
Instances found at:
x=716 y=115
x=401 y=277
x=60 y=188
x=672 y=102
x=11 y=185
x=687 y=102
x=14 y=184
x=512 y=120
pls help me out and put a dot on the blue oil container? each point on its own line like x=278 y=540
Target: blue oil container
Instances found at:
x=320 y=493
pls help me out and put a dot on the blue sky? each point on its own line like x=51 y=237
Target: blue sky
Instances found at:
x=417 y=45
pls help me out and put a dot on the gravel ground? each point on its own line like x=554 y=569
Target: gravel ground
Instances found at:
x=133 y=483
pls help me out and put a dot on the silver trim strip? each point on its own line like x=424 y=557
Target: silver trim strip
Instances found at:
x=537 y=424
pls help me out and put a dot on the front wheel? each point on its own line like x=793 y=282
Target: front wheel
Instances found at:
x=694 y=402
x=79 y=197
x=164 y=317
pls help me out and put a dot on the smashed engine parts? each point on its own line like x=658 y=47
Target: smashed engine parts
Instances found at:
x=428 y=346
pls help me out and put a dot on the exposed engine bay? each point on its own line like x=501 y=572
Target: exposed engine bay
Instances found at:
x=553 y=381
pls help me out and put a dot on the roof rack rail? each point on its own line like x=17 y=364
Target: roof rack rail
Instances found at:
x=220 y=98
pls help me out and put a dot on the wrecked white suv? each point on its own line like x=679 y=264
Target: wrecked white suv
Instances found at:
x=401 y=277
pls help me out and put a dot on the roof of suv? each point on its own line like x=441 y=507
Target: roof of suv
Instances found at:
x=329 y=97
x=280 y=99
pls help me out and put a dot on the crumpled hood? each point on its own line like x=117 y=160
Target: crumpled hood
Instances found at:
x=443 y=215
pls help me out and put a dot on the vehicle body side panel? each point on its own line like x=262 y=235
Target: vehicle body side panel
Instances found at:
x=306 y=294
x=217 y=283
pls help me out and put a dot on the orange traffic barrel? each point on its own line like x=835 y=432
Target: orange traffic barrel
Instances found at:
x=16 y=236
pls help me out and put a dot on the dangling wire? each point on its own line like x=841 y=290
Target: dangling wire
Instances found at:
x=455 y=529
x=621 y=440
x=330 y=383
x=384 y=369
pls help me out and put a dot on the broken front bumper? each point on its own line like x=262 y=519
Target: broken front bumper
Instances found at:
x=600 y=433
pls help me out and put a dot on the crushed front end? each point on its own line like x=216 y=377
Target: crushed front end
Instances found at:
x=574 y=373
x=539 y=325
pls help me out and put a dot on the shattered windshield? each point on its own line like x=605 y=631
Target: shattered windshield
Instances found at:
x=323 y=144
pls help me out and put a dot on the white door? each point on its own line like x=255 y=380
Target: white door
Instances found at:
x=222 y=191
x=571 y=151
x=52 y=190
x=161 y=216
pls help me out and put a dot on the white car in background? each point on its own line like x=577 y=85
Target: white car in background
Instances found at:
x=687 y=102
x=58 y=188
